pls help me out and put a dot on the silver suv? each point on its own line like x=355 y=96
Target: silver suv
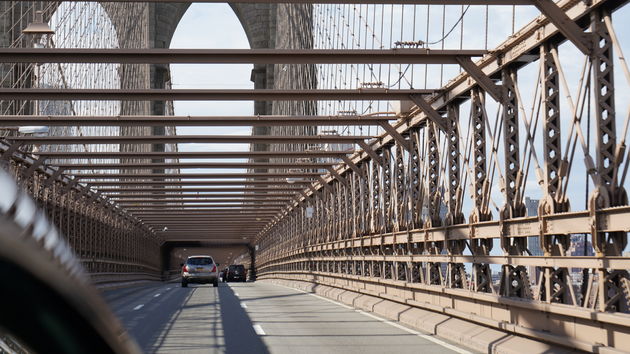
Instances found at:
x=200 y=269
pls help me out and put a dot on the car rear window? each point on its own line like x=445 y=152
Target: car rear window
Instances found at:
x=237 y=267
x=200 y=261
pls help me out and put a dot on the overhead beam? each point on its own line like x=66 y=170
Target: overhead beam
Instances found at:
x=242 y=233
x=201 y=203
x=193 y=165
x=366 y=94
x=235 y=56
x=185 y=139
x=129 y=201
x=201 y=213
x=155 y=176
x=191 y=155
x=68 y=120
x=194 y=183
x=159 y=218
x=209 y=207
x=180 y=196
x=204 y=212
x=404 y=2
x=288 y=189
x=198 y=224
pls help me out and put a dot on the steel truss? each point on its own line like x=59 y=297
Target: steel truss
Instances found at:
x=389 y=221
x=443 y=263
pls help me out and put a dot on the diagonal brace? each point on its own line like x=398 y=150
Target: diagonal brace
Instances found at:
x=566 y=25
x=338 y=176
x=353 y=166
x=36 y=164
x=325 y=184
x=480 y=77
x=368 y=149
x=431 y=113
x=8 y=153
x=396 y=135
x=49 y=181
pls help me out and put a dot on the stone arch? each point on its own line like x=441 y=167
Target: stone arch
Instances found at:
x=258 y=22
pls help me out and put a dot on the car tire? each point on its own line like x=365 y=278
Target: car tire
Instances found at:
x=184 y=284
x=215 y=283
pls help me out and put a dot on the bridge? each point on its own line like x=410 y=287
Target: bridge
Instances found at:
x=414 y=176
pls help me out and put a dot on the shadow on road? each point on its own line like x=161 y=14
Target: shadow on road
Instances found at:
x=238 y=330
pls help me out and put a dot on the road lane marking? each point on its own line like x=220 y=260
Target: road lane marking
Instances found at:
x=236 y=294
x=332 y=301
x=243 y=305
x=156 y=295
x=138 y=307
x=258 y=329
x=409 y=330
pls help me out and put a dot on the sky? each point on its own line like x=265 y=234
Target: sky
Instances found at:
x=211 y=26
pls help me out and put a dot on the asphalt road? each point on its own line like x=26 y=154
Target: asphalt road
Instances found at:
x=253 y=318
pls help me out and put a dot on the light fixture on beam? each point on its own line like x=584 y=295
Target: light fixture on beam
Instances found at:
x=38 y=27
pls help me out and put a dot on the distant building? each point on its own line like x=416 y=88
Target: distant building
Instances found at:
x=533 y=244
x=581 y=246
x=531 y=205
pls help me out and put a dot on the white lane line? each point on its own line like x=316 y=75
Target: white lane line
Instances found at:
x=243 y=305
x=421 y=335
x=168 y=289
x=394 y=324
x=333 y=301
x=258 y=329
x=156 y=295
x=409 y=330
x=138 y=307
x=236 y=294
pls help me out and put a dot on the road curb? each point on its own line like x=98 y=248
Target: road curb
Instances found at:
x=466 y=334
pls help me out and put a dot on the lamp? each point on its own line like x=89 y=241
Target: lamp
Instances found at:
x=38 y=27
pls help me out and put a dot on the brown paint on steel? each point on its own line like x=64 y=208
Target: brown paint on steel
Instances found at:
x=253 y=190
x=368 y=94
x=235 y=56
x=182 y=206
x=192 y=155
x=195 y=175
x=9 y=121
x=181 y=139
x=179 y=196
x=194 y=183
x=404 y=2
x=191 y=165
x=128 y=201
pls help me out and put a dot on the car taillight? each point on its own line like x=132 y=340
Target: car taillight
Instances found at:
x=214 y=268
x=185 y=269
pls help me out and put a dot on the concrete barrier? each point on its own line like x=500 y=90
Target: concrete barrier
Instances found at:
x=463 y=333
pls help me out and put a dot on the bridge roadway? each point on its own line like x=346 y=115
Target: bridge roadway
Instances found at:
x=257 y=318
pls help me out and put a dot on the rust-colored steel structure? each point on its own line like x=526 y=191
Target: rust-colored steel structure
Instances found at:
x=367 y=94
x=235 y=56
x=408 y=216
x=9 y=121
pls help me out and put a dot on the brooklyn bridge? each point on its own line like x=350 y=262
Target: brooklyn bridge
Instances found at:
x=314 y=176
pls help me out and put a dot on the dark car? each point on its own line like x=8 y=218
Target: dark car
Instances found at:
x=236 y=272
